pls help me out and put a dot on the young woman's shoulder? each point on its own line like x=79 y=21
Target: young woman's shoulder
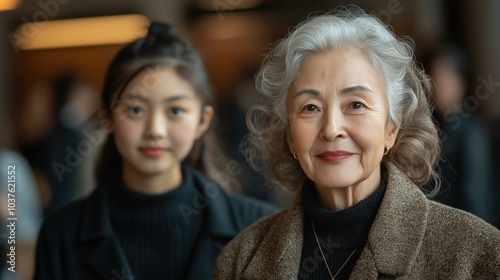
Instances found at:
x=68 y=219
x=242 y=210
x=248 y=209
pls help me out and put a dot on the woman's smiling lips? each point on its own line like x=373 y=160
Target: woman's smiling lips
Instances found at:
x=152 y=152
x=334 y=156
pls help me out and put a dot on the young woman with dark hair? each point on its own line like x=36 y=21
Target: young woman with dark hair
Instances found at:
x=155 y=214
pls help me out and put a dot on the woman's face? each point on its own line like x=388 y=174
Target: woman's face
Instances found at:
x=338 y=119
x=157 y=120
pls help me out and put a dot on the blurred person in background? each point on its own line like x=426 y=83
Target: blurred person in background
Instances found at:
x=57 y=157
x=27 y=210
x=466 y=155
x=160 y=210
x=233 y=111
x=17 y=183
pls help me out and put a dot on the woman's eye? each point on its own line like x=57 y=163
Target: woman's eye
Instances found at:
x=310 y=108
x=176 y=111
x=357 y=105
x=135 y=110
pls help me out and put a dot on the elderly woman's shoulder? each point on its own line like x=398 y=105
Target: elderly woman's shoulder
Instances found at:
x=239 y=250
x=462 y=230
x=447 y=218
x=462 y=241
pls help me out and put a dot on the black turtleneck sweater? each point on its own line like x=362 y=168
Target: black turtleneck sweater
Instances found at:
x=153 y=233
x=339 y=233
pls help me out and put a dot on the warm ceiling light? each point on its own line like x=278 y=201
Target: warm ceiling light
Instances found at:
x=227 y=5
x=6 y=5
x=80 y=32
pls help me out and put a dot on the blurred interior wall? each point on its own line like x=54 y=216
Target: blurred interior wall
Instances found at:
x=4 y=64
x=424 y=18
x=5 y=76
x=482 y=35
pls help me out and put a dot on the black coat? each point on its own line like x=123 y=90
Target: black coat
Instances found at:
x=78 y=242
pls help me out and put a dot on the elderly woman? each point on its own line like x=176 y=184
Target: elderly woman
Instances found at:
x=345 y=121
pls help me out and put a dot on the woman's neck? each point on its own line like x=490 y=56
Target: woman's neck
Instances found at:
x=336 y=199
x=152 y=183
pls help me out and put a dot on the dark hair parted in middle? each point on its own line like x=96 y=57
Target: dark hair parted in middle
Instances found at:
x=161 y=47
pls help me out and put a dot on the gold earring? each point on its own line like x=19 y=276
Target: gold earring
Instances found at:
x=386 y=150
x=294 y=155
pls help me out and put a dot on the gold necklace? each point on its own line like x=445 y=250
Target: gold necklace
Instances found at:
x=323 y=255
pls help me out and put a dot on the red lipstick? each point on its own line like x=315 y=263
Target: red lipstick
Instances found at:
x=335 y=156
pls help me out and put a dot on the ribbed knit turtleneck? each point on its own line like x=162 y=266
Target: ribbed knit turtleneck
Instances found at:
x=339 y=233
x=153 y=233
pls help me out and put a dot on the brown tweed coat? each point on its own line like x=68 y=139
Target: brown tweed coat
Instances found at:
x=411 y=238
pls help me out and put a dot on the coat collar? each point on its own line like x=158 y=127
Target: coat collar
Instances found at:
x=107 y=257
x=218 y=210
x=219 y=231
x=398 y=230
x=95 y=221
x=96 y=226
x=393 y=242
x=281 y=248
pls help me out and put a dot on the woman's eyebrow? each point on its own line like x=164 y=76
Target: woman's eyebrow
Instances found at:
x=352 y=89
x=176 y=97
x=136 y=96
x=306 y=91
x=346 y=90
x=143 y=98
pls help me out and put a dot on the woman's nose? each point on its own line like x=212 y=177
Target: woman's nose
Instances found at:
x=156 y=126
x=333 y=125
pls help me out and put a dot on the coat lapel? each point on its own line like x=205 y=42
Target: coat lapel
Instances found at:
x=393 y=242
x=218 y=229
x=398 y=230
x=109 y=261
x=280 y=251
x=106 y=256
x=365 y=266
x=200 y=267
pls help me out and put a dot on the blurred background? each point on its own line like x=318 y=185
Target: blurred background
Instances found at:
x=54 y=54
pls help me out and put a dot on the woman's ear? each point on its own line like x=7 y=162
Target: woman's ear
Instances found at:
x=391 y=134
x=206 y=118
